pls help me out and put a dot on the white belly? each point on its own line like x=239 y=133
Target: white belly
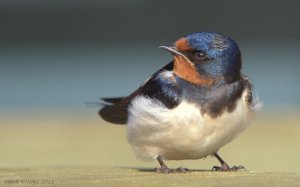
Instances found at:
x=182 y=132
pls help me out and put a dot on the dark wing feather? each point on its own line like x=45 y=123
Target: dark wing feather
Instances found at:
x=116 y=112
x=112 y=100
x=164 y=90
x=156 y=87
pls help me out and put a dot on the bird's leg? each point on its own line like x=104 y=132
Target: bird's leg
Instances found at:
x=164 y=168
x=225 y=166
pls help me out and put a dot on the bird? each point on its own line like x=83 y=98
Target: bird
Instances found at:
x=191 y=107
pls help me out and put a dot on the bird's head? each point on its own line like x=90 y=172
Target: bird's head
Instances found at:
x=206 y=58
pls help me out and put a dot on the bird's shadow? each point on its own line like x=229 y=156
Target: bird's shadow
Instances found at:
x=141 y=169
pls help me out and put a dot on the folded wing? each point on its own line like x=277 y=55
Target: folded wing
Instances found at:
x=161 y=86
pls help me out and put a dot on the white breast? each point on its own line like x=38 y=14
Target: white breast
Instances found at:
x=182 y=132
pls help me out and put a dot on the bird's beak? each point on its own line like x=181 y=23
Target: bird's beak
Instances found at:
x=174 y=51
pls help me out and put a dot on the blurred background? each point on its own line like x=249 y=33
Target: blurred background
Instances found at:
x=56 y=55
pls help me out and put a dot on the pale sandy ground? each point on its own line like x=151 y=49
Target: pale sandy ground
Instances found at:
x=82 y=150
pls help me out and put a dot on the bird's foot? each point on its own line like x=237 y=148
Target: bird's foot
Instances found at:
x=165 y=169
x=225 y=167
x=181 y=170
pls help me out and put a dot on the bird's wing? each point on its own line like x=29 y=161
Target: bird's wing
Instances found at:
x=160 y=86
x=115 y=109
x=112 y=100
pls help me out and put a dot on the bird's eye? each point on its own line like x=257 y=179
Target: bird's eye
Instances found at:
x=200 y=55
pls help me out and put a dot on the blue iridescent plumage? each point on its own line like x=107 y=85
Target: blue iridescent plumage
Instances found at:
x=224 y=54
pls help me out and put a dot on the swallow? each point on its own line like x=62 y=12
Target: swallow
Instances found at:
x=191 y=107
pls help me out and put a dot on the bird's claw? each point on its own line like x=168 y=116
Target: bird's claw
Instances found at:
x=225 y=167
x=163 y=170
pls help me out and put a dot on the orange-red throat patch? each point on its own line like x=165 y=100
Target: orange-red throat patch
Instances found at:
x=187 y=71
x=182 y=44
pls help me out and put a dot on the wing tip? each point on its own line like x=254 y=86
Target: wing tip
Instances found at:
x=111 y=100
x=107 y=114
